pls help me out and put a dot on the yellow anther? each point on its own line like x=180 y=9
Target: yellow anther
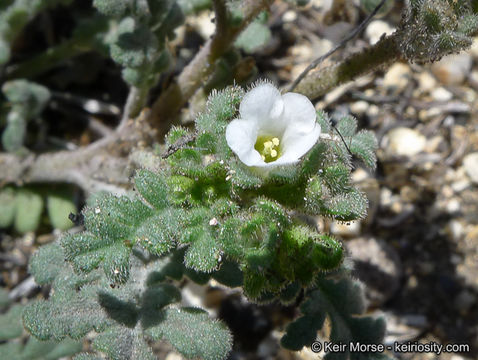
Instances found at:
x=268 y=147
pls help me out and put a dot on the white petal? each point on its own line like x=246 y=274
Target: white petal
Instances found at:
x=264 y=104
x=241 y=136
x=299 y=112
x=296 y=143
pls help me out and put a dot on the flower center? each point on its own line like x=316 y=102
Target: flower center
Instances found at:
x=268 y=147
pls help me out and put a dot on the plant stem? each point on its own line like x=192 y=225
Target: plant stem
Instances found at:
x=196 y=73
x=49 y=59
x=381 y=54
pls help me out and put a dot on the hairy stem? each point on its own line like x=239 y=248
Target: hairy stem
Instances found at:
x=381 y=54
x=202 y=66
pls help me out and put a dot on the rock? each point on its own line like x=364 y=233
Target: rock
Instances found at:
x=378 y=265
x=441 y=94
x=453 y=69
x=474 y=48
x=397 y=77
x=376 y=29
x=350 y=229
x=203 y=24
x=453 y=206
x=456 y=230
x=174 y=356
x=359 y=107
x=470 y=163
x=289 y=16
x=403 y=141
x=426 y=82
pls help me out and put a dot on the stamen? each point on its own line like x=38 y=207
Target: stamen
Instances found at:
x=268 y=147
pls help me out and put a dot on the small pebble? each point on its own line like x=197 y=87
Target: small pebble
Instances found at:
x=426 y=81
x=441 y=94
x=289 y=16
x=404 y=141
x=345 y=229
x=376 y=29
x=397 y=77
x=359 y=107
x=470 y=163
x=453 y=69
x=173 y=356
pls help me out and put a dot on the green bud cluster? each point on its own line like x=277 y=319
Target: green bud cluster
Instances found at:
x=431 y=29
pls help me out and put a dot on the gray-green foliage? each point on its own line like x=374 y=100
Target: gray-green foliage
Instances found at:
x=342 y=303
x=205 y=215
x=11 y=328
x=137 y=42
x=23 y=207
x=26 y=101
x=255 y=36
x=15 y=16
x=431 y=29
x=125 y=316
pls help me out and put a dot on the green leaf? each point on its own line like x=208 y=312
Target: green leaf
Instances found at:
x=47 y=263
x=135 y=45
x=347 y=126
x=8 y=206
x=337 y=178
x=123 y=344
x=347 y=206
x=49 y=350
x=73 y=316
x=84 y=250
x=343 y=302
x=159 y=233
x=153 y=188
x=203 y=254
x=193 y=334
x=60 y=204
x=115 y=8
x=30 y=96
x=364 y=145
x=194 y=6
x=85 y=356
x=116 y=263
x=229 y=274
x=29 y=210
x=254 y=37
x=11 y=323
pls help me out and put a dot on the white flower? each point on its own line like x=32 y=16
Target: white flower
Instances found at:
x=273 y=129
